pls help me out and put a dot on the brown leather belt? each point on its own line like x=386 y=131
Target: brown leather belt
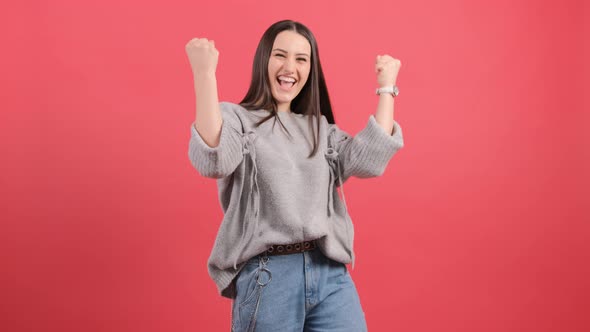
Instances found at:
x=285 y=249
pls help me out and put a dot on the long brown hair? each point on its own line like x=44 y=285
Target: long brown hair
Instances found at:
x=313 y=98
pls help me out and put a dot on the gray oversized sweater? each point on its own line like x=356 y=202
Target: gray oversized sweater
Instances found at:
x=271 y=193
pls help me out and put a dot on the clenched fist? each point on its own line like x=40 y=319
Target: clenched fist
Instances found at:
x=387 y=69
x=202 y=55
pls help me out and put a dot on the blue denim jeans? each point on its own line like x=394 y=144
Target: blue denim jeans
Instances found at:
x=297 y=292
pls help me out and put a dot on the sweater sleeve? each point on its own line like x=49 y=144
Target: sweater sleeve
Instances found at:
x=368 y=152
x=221 y=160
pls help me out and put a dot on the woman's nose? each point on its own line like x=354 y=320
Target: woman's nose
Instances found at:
x=289 y=64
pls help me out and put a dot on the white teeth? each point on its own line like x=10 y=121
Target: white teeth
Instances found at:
x=287 y=79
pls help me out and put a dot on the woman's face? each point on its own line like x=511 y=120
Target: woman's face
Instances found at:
x=288 y=67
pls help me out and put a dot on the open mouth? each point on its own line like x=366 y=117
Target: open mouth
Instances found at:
x=286 y=82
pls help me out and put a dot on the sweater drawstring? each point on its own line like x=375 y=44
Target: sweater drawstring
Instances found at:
x=253 y=203
x=335 y=173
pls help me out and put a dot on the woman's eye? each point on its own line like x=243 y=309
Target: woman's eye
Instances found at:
x=302 y=59
x=280 y=55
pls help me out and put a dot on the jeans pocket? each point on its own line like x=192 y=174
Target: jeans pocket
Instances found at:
x=246 y=284
x=338 y=272
x=249 y=290
x=245 y=290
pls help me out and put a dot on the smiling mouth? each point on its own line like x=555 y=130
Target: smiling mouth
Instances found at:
x=286 y=82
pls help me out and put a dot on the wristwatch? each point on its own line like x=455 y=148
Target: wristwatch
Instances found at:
x=388 y=89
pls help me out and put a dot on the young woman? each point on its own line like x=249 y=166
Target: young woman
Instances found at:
x=281 y=249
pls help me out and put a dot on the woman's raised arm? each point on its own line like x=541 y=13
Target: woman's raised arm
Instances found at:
x=203 y=57
x=387 y=69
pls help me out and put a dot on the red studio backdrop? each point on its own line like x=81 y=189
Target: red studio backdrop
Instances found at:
x=480 y=223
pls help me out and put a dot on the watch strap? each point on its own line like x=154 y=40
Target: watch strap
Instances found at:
x=391 y=89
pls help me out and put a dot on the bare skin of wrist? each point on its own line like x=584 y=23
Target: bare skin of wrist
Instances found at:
x=208 y=118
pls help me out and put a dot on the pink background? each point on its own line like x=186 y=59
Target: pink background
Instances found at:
x=481 y=223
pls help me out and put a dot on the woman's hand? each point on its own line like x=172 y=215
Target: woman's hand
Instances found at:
x=202 y=56
x=387 y=69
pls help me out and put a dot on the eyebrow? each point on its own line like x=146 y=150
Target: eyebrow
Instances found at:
x=279 y=49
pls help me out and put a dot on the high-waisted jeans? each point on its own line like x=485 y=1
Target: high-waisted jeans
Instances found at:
x=297 y=292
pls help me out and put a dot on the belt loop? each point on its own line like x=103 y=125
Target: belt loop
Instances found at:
x=264 y=259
